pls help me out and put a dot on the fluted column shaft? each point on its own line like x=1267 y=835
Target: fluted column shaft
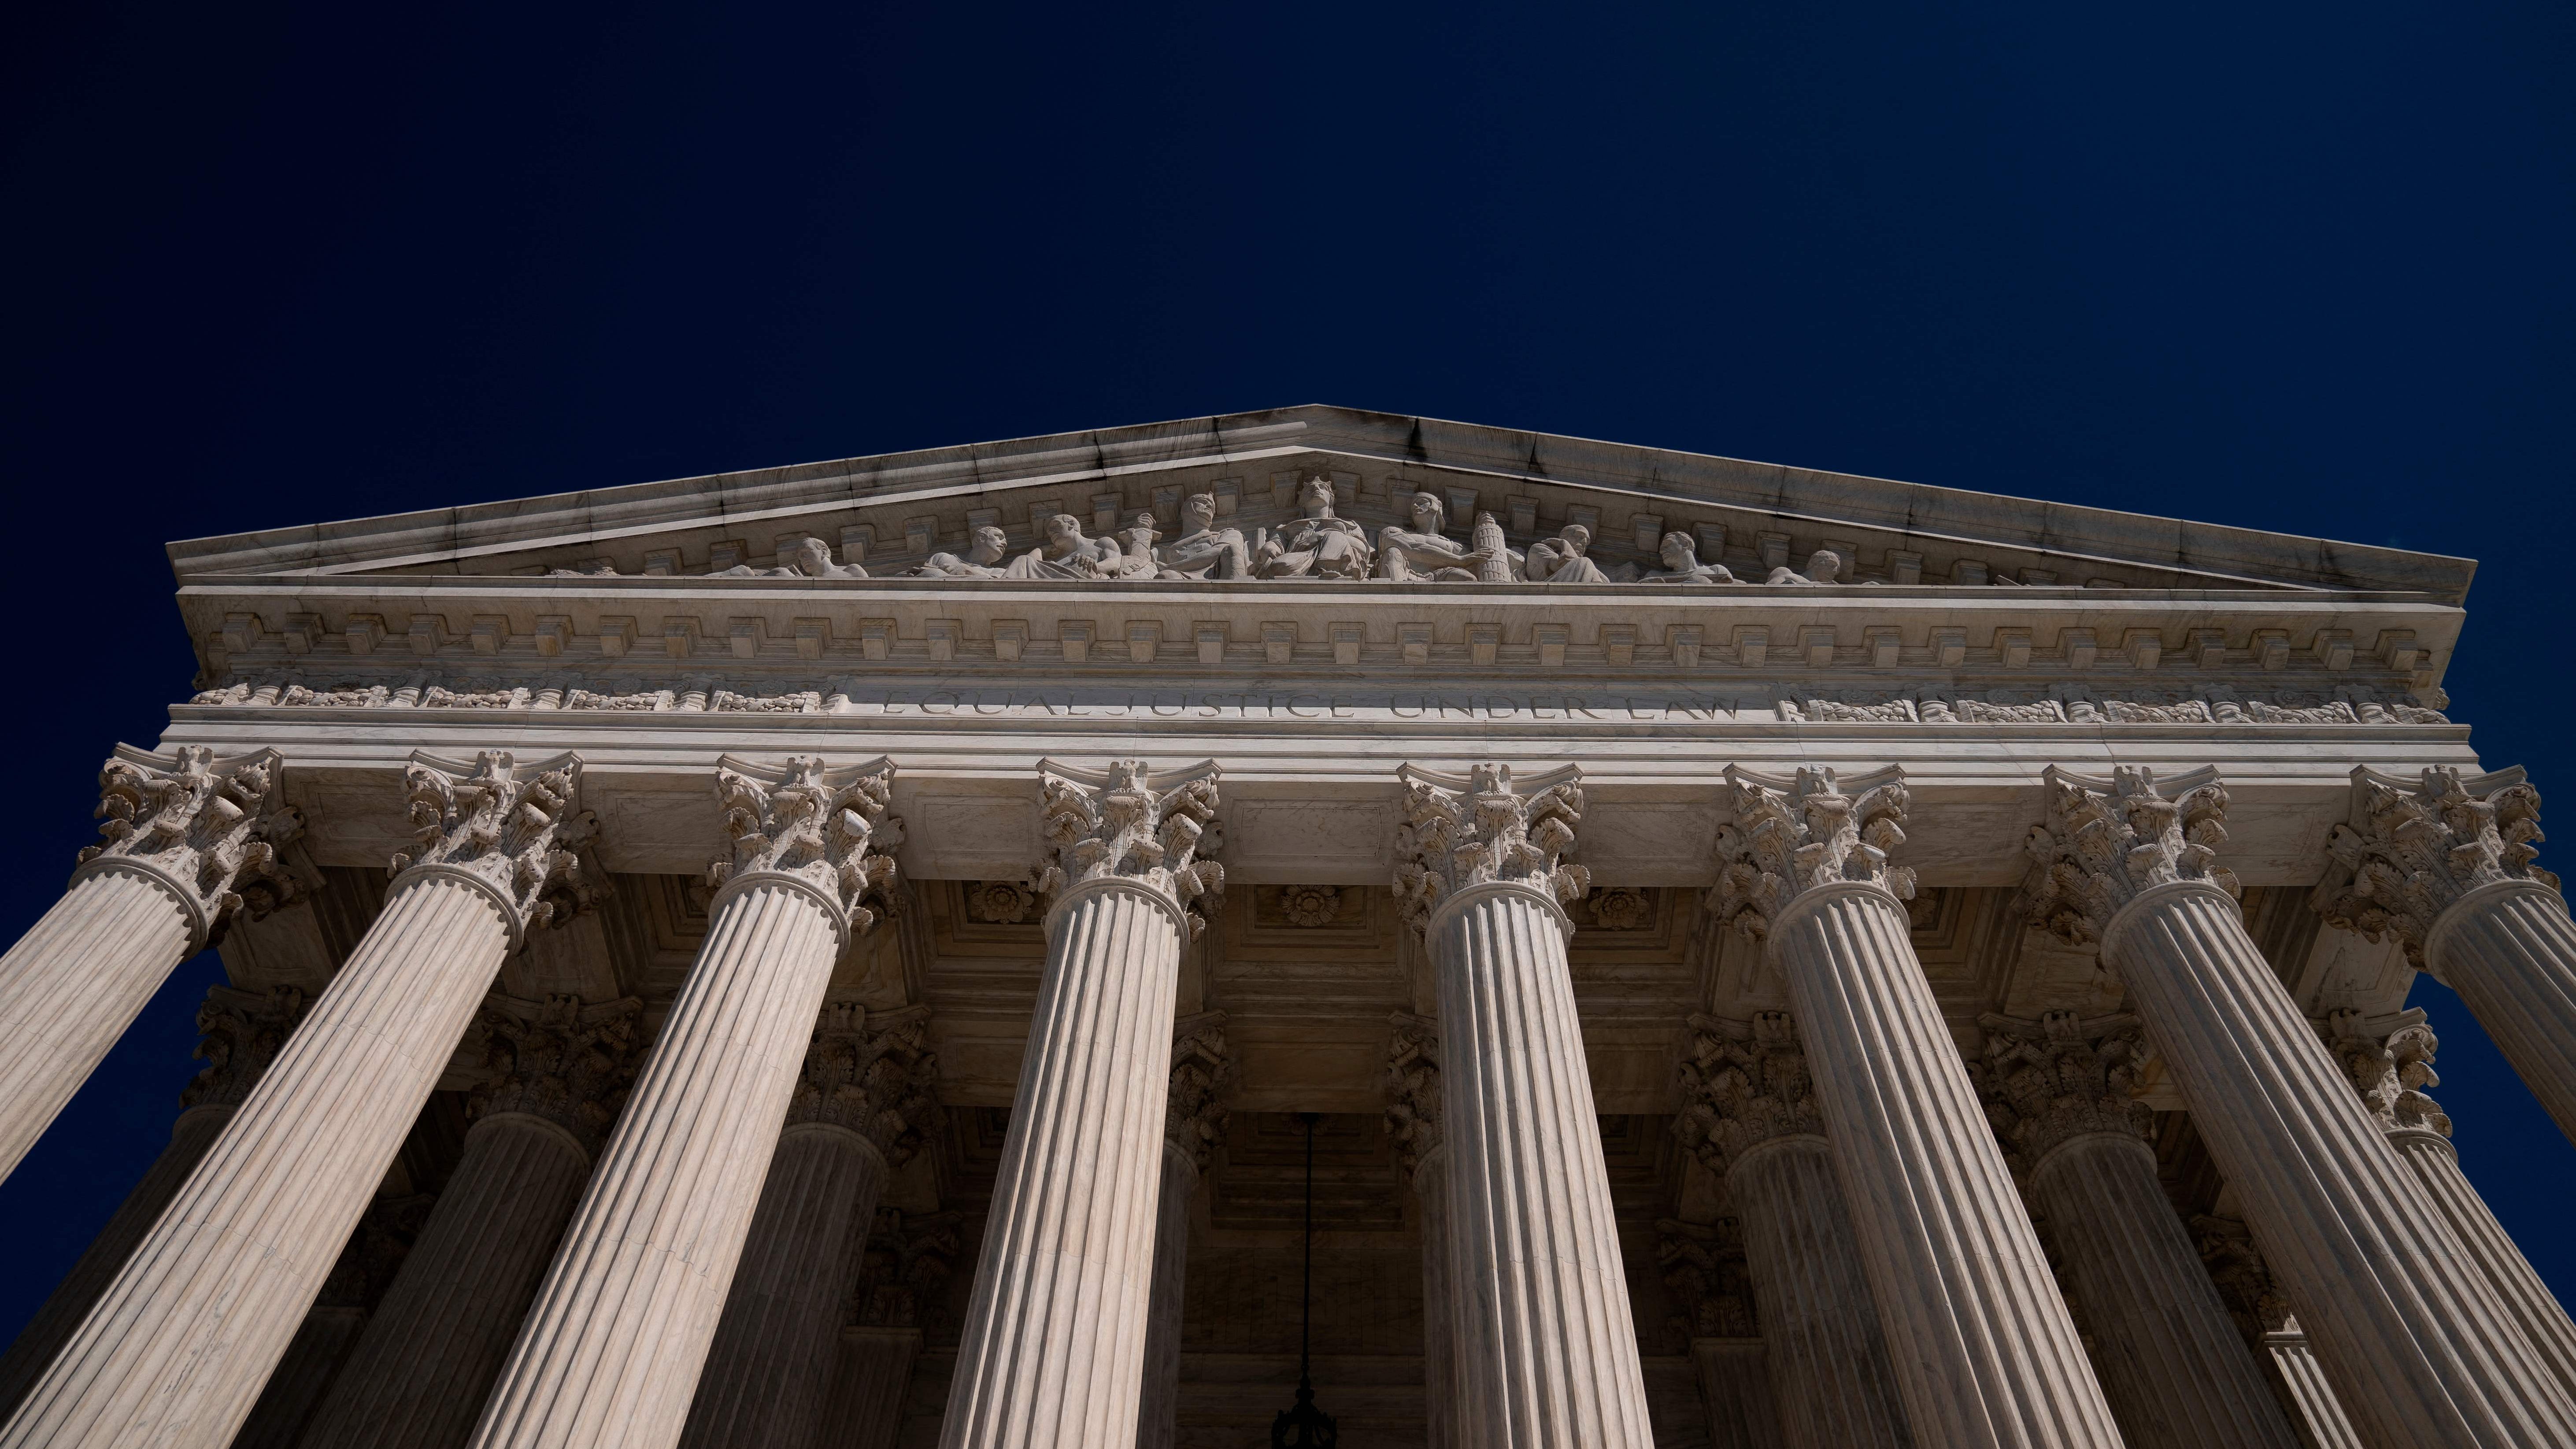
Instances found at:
x=308 y=1371
x=869 y=1388
x=1158 y=1406
x=1440 y=1391
x=1545 y=1348
x=610 y=1353
x=2177 y=1372
x=1054 y=1343
x=72 y=1299
x=2436 y=1164
x=70 y=987
x=429 y=1353
x=177 y=1349
x=2510 y=951
x=1826 y=1355
x=1735 y=1391
x=2419 y=1349
x=770 y=1365
x=2303 y=1391
x=1984 y=1350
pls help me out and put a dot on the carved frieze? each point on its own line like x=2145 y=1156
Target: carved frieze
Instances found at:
x=1790 y=836
x=511 y=829
x=1113 y=824
x=209 y=831
x=1478 y=829
x=2408 y=854
x=830 y=828
x=2107 y=840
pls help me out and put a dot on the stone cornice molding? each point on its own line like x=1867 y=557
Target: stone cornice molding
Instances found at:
x=560 y=1060
x=2050 y=1082
x=1744 y=1086
x=208 y=831
x=513 y=832
x=2108 y=842
x=1471 y=835
x=1194 y=1115
x=243 y=1031
x=2414 y=854
x=2390 y=1062
x=870 y=1073
x=1413 y=1090
x=1796 y=841
x=828 y=831
x=1118 y=828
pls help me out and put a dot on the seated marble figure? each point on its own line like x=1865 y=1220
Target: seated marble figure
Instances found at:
x=1318 y=545
x=1562 y=560
x=1682 y=566
x=811 y=558
x=1206 y=551
x=983 y=558
x=1423 y=553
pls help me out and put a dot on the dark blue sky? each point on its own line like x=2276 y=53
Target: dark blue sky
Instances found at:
x=2293 y=267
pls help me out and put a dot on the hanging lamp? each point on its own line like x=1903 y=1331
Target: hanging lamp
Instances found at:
x=1305 y=1426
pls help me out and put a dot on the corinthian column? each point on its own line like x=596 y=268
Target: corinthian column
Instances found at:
x=2179 y=1377
x=2390 y=1062
x=2419 y=1348
x=1193 y=1121
x=176 y=1351
x=2263 y=1321
x=1054 y=1346
x=2447 y=870
x=1545 y=1350
x=610 y=1353
x=867 y=1081
x=1413 y=1121
x=321 y=1346
x=905 y=1271
x=243 y=1032
x=430 y=1350
x=1705 y=1272
x=1749 y=1114
x=189 y=842
x=1985 y=1350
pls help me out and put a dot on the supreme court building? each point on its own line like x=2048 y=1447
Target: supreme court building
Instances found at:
x=840 y=957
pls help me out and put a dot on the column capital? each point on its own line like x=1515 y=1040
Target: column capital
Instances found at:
x=2244 y=1281
x=2390 y=1061
x=1793 y=836
x=1195 y=1116
x=1744 y=1084
x=2407 y=854
x=2106 y=842
x=1478 y=830
x=906 y=1260
x=1703 y=1267
x=2045 y=1083
x=244 y=1031
x=560 y=1060
x=514 y=832
x=1413 y=1089
x=826 y=830
x=1114 y=827
x=207 y=830
x=871 y=1072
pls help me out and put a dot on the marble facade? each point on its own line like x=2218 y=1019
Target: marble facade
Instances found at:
x=832 y=956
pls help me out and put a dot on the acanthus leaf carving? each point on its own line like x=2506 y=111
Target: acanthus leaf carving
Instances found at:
x=904 y=1267
x=1791 y=836
x=2244 y=1280
x=243 y=1031
x=2106 y=841
x=1478 y=829
x=2049 y=1081
x=1413 y=1089
x=1743 y=1084
x=2390 y=1062
x=2407 y=855
x=1703 y=1267
x=831 y=828
x=559 y=1059
x=511 y=828
x=1194 y=1114
x=1113 y=824
x=871 y=1072
x=209 y=831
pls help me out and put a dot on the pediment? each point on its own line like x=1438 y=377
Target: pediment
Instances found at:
x=889 y=516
